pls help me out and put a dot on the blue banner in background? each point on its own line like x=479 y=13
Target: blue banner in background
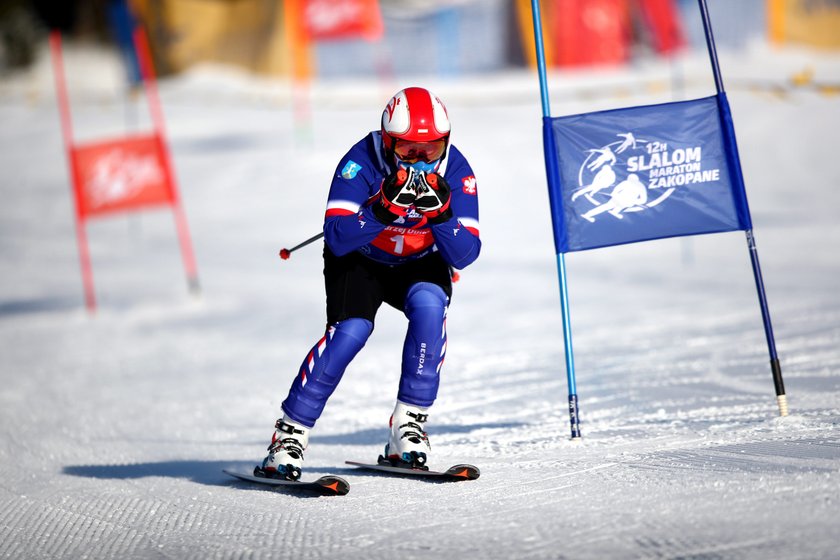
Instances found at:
x=643 y=173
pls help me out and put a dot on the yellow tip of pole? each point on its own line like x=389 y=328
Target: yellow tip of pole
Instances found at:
x=783 y=405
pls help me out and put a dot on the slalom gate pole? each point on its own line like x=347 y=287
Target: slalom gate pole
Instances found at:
x=574 y=414
x=775 y=365
x=286 y=253
x=147 y=72
x=67 y=132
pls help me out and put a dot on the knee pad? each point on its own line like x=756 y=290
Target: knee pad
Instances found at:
x=356 y=328
x=424 y=295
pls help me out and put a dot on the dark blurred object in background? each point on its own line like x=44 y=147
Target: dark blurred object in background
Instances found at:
x=24 y=25
x=57 y=15
x=82 y=18
x=20 y=34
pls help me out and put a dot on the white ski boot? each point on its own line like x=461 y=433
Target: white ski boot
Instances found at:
x=408 y=445
x=285 y=454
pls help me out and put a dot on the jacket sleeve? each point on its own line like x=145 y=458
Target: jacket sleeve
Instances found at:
x=457 y=244
x=349 y=222
x=458 y=239
x=347 y=232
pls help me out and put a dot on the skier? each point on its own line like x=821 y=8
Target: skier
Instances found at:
x=402 y=214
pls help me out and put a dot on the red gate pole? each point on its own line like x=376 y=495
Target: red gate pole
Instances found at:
x=67 y=133
x=144 y=57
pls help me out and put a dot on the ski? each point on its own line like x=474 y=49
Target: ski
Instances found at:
x=326 y=485
x=454 y=473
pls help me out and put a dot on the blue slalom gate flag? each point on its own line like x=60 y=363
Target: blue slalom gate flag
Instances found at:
x=642 y=173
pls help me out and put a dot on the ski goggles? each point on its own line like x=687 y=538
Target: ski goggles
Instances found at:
x=411 y=152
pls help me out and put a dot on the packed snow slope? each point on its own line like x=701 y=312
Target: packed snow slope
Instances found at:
x=115 y=427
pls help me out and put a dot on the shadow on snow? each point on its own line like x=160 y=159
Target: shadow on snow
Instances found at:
x=376 y=436
x=210 y=472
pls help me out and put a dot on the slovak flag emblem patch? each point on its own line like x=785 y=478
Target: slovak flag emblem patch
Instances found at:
x=470 y=186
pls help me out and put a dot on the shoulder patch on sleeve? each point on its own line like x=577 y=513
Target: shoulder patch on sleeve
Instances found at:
x=351 y=169
x=470 y=186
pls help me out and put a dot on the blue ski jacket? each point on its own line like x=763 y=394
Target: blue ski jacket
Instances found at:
x=350 y=225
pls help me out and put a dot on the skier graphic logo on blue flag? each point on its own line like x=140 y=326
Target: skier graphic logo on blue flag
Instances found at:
x=643 y=173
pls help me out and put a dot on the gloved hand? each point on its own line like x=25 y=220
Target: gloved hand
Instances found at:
x=396 y=195
x=432 y=200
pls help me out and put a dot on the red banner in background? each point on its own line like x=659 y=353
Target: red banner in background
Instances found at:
x=662 y=20
x=123 y=174
x=342 y=19
x=601 y=32
x=591 y=32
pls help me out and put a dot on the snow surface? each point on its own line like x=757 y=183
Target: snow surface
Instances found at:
x=114 y=428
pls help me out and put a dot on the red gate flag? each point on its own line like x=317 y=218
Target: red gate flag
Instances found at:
x=123 y=174
x=342 y=19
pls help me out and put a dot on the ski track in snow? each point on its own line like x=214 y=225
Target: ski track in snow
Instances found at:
x=115 y=428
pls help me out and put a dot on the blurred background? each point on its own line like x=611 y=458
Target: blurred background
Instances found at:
x=323 y=39
x=261 y=97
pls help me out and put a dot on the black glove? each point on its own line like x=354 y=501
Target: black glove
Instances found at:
x=395 y=197
x=432 y=201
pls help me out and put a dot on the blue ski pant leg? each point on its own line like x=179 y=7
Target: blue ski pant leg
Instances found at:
x=425 y=344
x=323 y=367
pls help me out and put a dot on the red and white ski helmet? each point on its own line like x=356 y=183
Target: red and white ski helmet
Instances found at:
x=415 y=124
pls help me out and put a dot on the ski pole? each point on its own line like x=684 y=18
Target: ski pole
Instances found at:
x=286 y=253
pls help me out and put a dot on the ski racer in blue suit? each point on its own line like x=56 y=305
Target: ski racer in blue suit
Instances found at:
x=401 y=216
